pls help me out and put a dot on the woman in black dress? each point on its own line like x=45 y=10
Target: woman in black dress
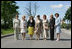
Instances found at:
x=52 y=23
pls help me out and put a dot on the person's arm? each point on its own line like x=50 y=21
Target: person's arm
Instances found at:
x=19 y=23
x=58 y=22
x=46 y=25
x=27 y=23
x=51 y=23
x=34 y=23
x=41 y=25
x=19 y=26
x=47 y=22
x=13 y=23
x=54 y=22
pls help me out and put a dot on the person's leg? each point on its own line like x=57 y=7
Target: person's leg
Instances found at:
x=52 y=34
x=45 y=35
x=15 y=35
x=24 y=35
x=37 y=35
x=31 y=37
x=58 y=37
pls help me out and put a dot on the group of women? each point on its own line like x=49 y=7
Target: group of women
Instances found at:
x=39 y=27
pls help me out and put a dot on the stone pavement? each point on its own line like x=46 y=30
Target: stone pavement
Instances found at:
x=9 y=42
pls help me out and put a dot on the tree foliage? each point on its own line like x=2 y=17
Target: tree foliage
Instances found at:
x=8 y=12
x=68 y=14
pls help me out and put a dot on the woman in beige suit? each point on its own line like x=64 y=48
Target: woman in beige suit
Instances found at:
x=45 y=27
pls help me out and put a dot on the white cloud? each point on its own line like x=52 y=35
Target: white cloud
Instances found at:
x=57 y=6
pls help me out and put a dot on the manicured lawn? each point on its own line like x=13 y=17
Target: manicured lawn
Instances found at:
x=6 y=31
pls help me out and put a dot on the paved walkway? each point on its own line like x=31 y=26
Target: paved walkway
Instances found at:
x=65 y=42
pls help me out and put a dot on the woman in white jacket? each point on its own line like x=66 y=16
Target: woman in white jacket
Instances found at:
x=16 y=27
x=23 y=26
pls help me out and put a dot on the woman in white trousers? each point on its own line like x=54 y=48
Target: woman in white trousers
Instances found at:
x=16 y=26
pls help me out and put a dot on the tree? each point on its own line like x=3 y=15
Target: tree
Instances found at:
x=35 y=8
x=31 y=9
x=28 y=9
x=68 y=14
x=8 y=12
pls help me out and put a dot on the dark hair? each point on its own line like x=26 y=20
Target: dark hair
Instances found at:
x=57 y=14
x=44 y=16
x=32 y=17
x=51 y=15
x=38 y=15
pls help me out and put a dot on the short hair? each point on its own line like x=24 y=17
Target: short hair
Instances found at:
x=51 y=15
x=23 y=16
x=44 y=16
x=57 y=14
x=38 y=15
x=31 y=16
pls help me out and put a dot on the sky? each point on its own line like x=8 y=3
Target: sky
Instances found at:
x=45 y=7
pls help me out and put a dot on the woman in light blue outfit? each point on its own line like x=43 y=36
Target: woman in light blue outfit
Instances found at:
x=57 y=26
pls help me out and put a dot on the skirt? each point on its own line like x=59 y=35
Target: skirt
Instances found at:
x=23 y=30
x=30 y=30
x=58 y=29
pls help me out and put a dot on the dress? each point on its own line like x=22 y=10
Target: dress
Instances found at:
x=45 y=31
x=23 y=26
x=57 y=23
x=31 y=26
x=16 y=26
x=38 y=26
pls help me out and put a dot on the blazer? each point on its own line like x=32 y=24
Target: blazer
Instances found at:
x=52 y=22
x=31 y=24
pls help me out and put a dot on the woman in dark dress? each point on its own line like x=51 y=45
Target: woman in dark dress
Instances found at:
x=52 y=23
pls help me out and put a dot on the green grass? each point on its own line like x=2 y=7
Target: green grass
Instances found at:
x=6 y=31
